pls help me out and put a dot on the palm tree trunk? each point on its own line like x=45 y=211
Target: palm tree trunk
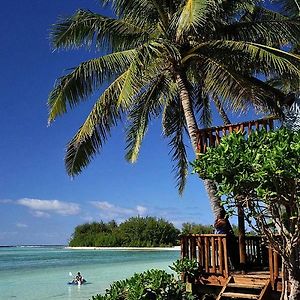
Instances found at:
x=221 y=110
x=192 y=126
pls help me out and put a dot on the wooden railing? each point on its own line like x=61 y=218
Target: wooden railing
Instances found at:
x=212 y=255
x=256 y=253
x=210 y=137
x=210 y=251
x=274 y=263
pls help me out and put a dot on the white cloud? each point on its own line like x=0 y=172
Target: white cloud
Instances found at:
x=40 y=214
x=21 y=225
x=110 y=210
x=43 y=208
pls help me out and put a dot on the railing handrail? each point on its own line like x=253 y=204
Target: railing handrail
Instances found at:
x=204 y=234
x=210 y=250
x=210 y=137
x=245 y=123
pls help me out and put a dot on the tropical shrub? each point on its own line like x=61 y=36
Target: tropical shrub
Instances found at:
x=188 y=267
x=262 y=174
x=149 y=285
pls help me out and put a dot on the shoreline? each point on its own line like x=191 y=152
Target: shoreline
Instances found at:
x=175 y=248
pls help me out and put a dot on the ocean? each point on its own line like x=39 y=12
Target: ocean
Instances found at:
x=36 y=273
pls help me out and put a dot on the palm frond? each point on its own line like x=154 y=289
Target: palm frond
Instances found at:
x=268 y=28
x=267 y=60
x=239 y=92
x=92 y=135
x=290 y=7
x=192 y=15
x=220 y=107
x=147 y=105
x=175 y=129
x=238 y=7
x=82 y=81
x=85 y=28
x=151 y=11
x=206 y=113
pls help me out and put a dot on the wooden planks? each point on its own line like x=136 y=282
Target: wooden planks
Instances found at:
x=254 y=287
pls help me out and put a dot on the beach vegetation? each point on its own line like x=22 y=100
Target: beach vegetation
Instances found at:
x=262 y=174
x=134 y=232
x=169 y=60
x=149 y=285
x=187 y=267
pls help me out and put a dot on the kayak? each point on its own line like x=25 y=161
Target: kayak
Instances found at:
x=77 y=283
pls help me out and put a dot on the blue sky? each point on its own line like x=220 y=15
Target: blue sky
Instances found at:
x=39 y=203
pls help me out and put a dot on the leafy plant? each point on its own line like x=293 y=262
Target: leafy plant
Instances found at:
x=262 y=174
x=189 y=267
x=150 y=285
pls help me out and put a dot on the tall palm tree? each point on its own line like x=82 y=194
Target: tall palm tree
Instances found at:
x=170 y=59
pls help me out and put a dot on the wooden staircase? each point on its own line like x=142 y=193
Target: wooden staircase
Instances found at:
x=246 y=287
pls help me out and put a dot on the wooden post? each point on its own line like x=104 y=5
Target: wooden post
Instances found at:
x=206 y=245
x=200 y=253
x=271 y=267
x=193 y=247
x=242 y=242
x=182 y=247
x=213 y=255
x=220 y=255
x=226 y=272
x=276 y=266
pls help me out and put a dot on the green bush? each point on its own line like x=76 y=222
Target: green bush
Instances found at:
x=149 y=285
x=187 y=266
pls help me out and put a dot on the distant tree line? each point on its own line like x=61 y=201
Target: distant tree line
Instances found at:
x=134 y=232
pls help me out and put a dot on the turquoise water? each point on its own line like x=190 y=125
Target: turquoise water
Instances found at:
x=43 y=272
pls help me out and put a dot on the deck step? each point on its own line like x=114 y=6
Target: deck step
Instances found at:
x=246 y=285
x=250 y=280
x=239 y=296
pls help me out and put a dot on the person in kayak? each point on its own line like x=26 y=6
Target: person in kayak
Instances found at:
x=79 y=278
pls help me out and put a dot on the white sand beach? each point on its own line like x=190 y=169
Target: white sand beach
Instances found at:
x=175 y=248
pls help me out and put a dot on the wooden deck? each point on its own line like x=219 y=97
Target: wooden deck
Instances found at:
x=243 y=266
x=218 y=259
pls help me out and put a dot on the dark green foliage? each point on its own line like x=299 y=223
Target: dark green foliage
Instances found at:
x=267 y=164
x=187 y=266
x=134 y=232
x=264 y=168
x=262 y=174
x=193 y=228
x=147 y=232
x=150 y=285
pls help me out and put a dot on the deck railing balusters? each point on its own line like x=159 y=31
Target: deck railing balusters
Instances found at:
x=211 y=253
x=211 y=137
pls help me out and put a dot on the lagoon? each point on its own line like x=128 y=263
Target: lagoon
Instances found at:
x=36 y=273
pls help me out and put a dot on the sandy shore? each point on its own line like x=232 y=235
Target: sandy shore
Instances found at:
x=175 y=248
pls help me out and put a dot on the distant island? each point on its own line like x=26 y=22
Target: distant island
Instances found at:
x=134 y=232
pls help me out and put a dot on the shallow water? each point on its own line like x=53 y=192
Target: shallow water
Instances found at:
x=43 y=272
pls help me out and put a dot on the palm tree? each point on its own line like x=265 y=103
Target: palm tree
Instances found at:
x=170 y=59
